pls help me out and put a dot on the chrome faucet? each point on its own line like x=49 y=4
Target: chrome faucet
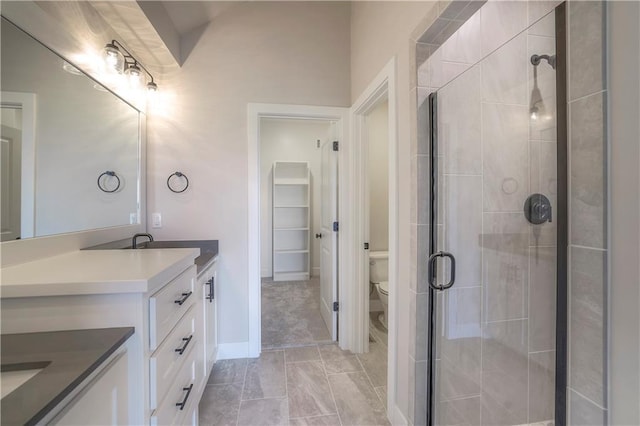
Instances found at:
x=134 y=240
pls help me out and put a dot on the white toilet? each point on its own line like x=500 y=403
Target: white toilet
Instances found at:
x=379 y=276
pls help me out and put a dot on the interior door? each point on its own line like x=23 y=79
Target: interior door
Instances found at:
x=329 y=238
x=493 y=240
x=10 y=177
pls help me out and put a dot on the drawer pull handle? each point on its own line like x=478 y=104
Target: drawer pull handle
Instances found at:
x=186 y=341
x=211 y=294
x=185 y=296
x=186 y=397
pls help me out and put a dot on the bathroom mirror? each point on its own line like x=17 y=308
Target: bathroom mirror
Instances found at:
x=70 y=148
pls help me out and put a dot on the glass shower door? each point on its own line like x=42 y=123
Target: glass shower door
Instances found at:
x=493 y=237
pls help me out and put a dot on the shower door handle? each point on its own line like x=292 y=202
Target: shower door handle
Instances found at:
x=431 y=271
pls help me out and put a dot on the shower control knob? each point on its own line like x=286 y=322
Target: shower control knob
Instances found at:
x=537 y=209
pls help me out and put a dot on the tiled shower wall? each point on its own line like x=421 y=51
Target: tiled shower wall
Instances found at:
x=457 y=40
x=587 y=316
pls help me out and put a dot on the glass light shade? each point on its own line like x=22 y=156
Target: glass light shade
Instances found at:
x=113 y=58
x=152 y=87
x=134 y=75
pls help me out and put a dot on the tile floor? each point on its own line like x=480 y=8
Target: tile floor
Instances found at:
x=310 y=385
x=291 y=314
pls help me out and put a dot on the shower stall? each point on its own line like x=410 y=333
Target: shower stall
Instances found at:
x=497 y=219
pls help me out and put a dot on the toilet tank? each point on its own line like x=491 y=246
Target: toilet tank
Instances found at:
x=378 y=266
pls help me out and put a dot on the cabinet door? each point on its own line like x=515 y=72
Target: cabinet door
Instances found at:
x=211 y=326
x=103 y=401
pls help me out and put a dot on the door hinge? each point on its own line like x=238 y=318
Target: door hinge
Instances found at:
x=335 y=226
x=336 y=306
x=335 y=145
x=366 y=246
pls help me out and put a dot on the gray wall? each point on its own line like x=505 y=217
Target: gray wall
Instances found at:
x=624 y=132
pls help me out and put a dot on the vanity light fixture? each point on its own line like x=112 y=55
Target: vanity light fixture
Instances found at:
x=126 y=63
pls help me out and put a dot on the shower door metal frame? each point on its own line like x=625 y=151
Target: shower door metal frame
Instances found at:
x=562 y=219
x=562 y=236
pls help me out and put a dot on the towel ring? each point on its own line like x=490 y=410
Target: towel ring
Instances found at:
x=177 y=174
x=104 y=188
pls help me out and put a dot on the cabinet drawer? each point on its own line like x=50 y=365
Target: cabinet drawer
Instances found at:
x=176 y=403
x=168 y=305
x=168 y=358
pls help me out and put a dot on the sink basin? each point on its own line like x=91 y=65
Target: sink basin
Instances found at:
x=14 y=376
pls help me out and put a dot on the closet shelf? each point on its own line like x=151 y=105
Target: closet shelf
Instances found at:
x=292 y=181
x=291 y=221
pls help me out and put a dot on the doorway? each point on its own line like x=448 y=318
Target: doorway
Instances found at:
x=298 y=206
x=256 y=113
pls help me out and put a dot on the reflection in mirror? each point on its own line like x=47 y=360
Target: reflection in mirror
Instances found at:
x=61 y=131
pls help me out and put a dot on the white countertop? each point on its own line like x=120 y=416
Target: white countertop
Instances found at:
x=96 y=272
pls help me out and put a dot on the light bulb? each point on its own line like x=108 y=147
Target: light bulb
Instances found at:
x=113 y=59
x=135 y=76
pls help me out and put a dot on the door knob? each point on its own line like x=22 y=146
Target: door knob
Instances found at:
x=318 y=235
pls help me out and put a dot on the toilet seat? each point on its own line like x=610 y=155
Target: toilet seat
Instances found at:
x=384 y=287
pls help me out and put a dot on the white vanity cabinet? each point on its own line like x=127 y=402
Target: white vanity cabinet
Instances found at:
x=154 y=291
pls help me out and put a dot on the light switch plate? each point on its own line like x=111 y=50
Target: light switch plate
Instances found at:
x=156 y=220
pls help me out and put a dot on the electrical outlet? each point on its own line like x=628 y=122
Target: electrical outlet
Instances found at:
x=156 y=220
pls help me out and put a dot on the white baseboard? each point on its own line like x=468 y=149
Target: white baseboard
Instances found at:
x=265 y=273
x=233 y=350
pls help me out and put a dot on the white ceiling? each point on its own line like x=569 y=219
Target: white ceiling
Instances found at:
x=187 y=15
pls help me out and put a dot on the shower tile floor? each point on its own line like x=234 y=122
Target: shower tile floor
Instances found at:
x=308 y=385
x=291 y=314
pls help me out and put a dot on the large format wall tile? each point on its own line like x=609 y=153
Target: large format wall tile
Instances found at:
x=501 y=20
x=459 y=118
x=505 y=149
x=542 y=369
x=586 y=48
x=464 y=45
x=505 y=269
x=587 y=323
x=463 y=219
x=504 y=373
x=544 y=180
x=504 y=73
x=542 y=299
x=419 y=309
x=583 y=412
x=459 y=412
x=588 y=172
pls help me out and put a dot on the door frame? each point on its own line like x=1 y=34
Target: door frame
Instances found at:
x=255 y=112
x=26 y=102
x=382 y=86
